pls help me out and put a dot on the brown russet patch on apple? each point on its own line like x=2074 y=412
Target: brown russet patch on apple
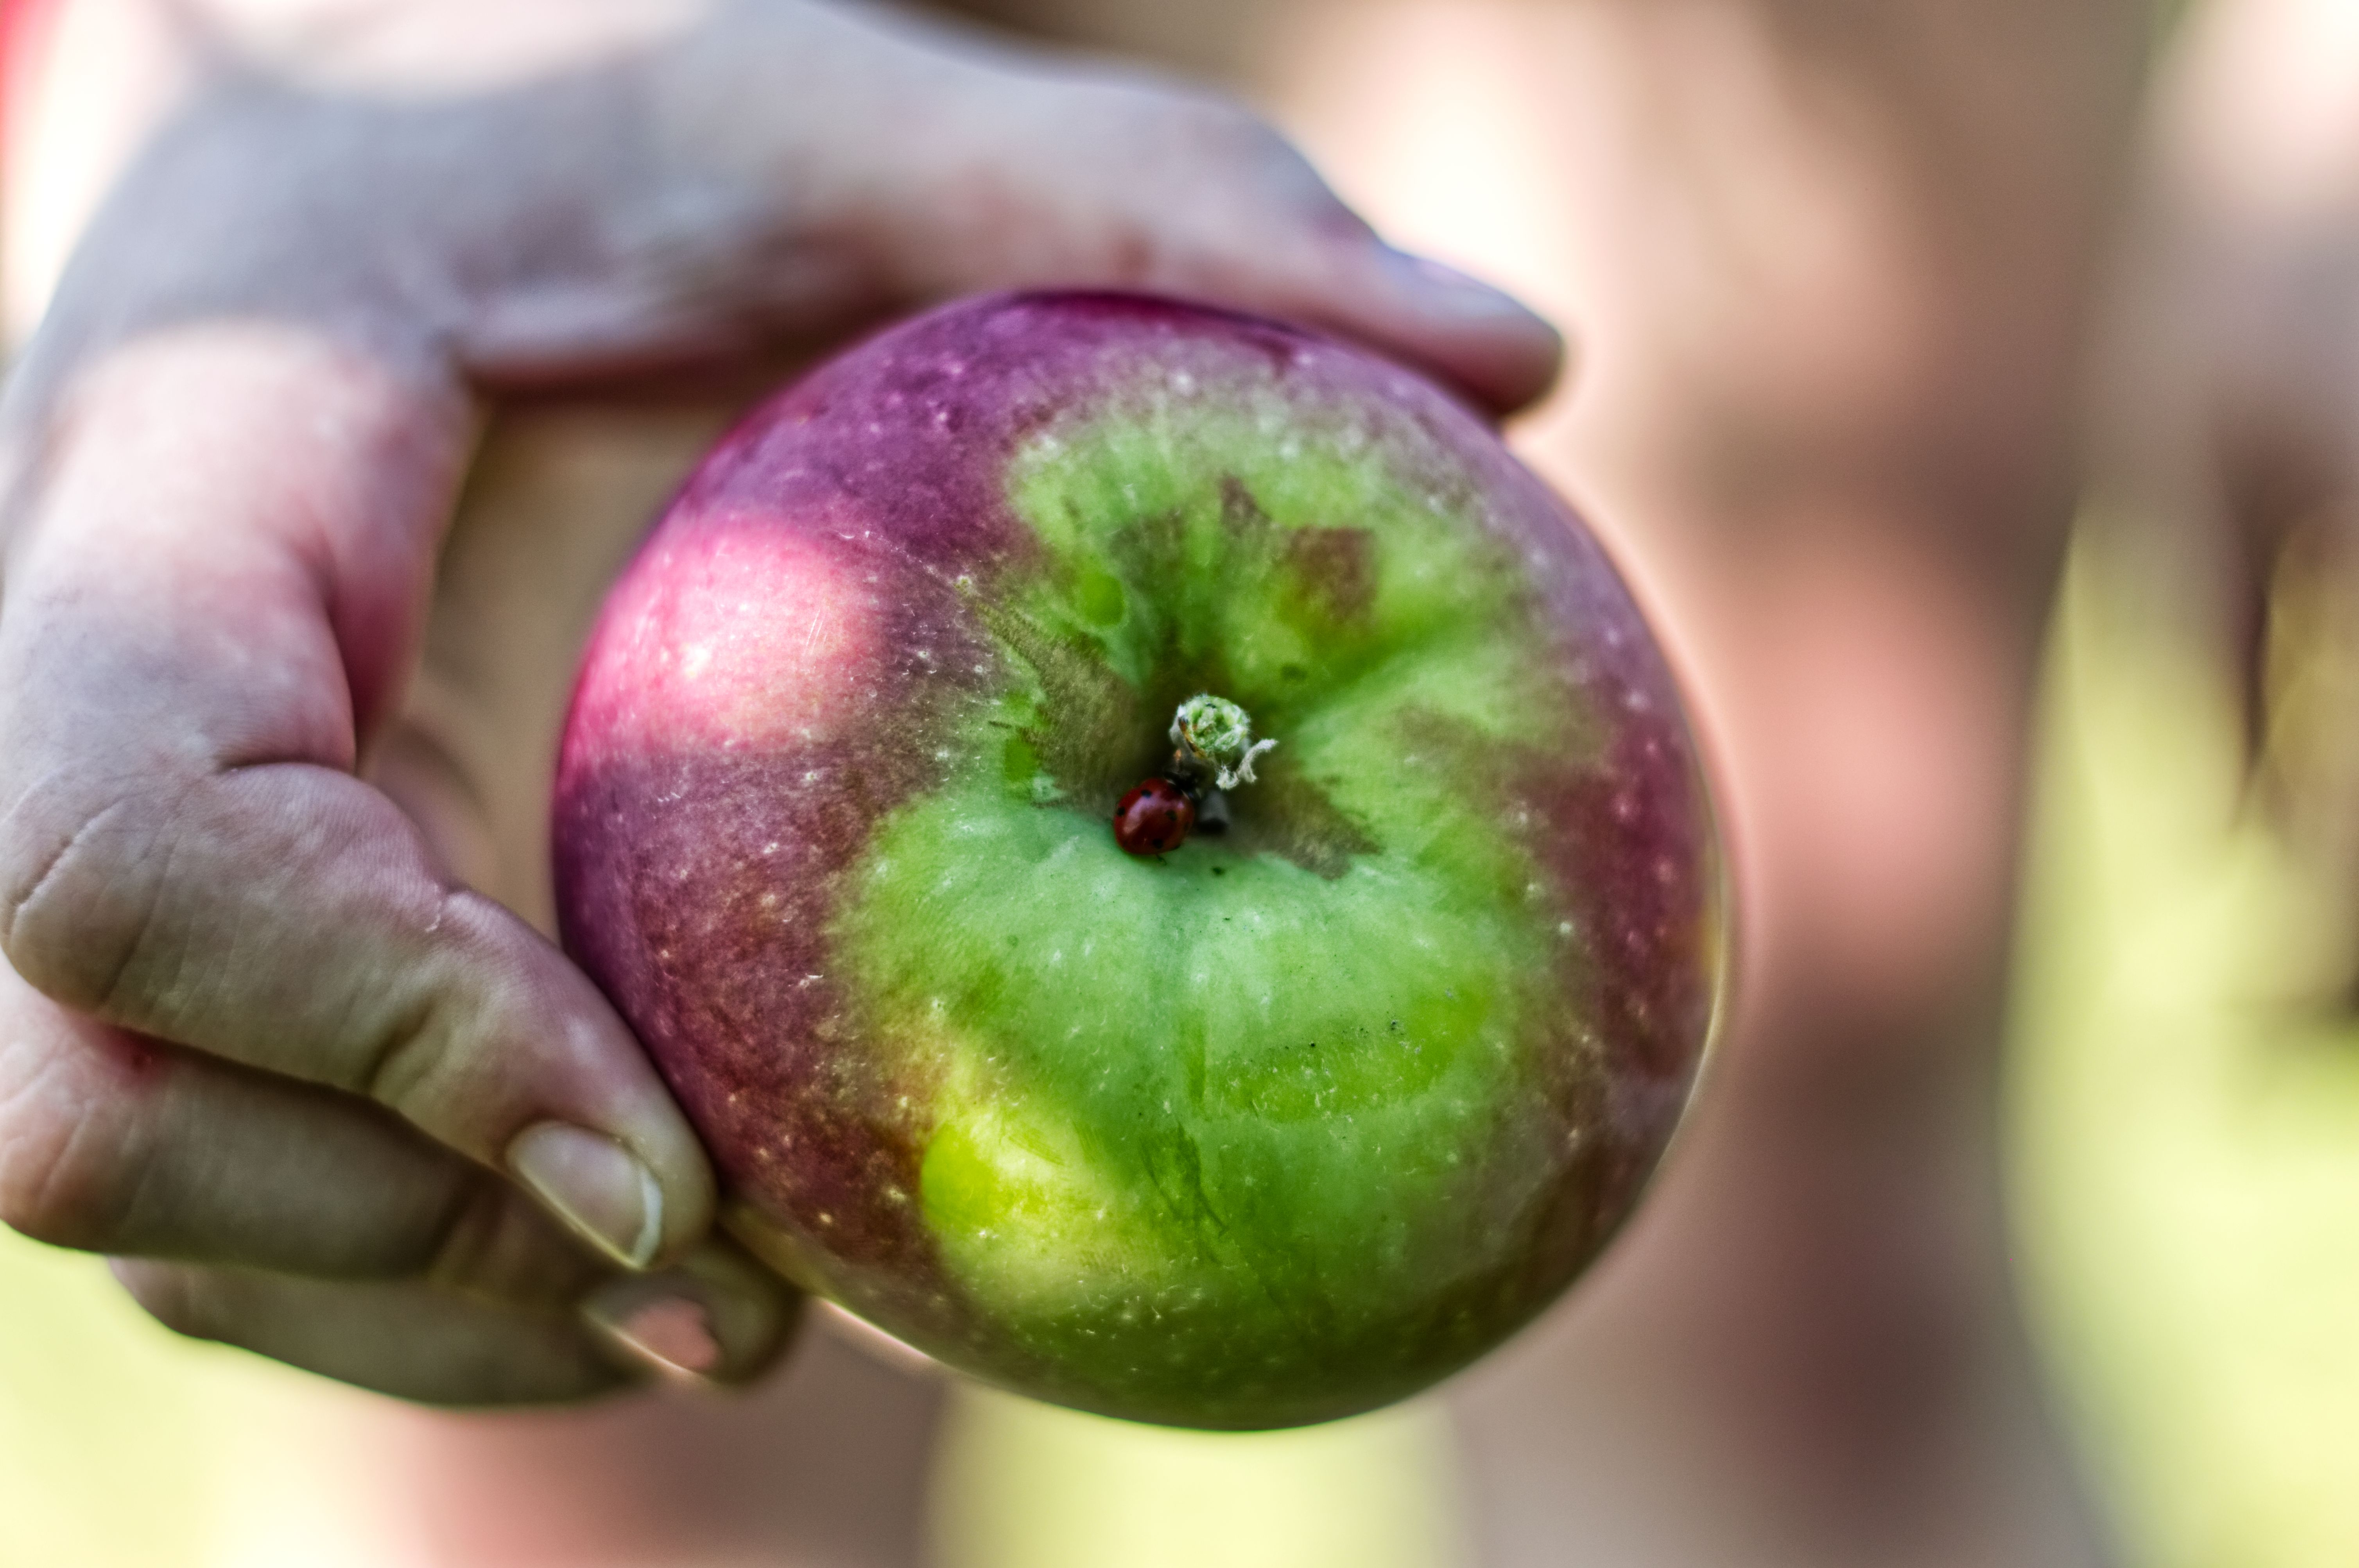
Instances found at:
x=1290 y=816
x=1242 y=516
x=1097 y=736
x=1151 y=548
x=1330 y=570
x=1333 y=570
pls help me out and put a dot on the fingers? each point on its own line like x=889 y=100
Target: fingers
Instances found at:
x=410 y=1341
x=1102 y=182
x=716 y=1320
x=202 y=618
x=111 y=1143
x=430 y=1278
x=288 y=918
x=1501 y=353
x=942 y=167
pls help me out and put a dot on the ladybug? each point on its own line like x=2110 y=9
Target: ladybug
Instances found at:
x=1154 y=819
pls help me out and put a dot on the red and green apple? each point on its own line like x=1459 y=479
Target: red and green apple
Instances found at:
x=1272 y=1119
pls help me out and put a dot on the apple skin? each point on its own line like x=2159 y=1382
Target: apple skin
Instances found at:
x=1280 y=1127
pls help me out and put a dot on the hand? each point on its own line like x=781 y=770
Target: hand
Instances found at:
x=328 y=1103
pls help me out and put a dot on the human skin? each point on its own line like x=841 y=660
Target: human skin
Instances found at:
x=235 y=917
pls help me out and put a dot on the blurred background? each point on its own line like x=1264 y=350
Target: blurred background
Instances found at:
x=1921 y=347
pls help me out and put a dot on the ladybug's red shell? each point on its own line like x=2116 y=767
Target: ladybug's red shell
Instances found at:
x=1154 y=819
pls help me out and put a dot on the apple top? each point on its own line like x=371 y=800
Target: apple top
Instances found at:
x=1215 y=735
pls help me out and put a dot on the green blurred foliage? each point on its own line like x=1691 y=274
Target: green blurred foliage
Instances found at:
x=2185 y=1115
x=110 y=1450
x=1027 y=1486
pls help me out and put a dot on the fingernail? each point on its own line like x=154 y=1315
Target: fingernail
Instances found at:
x=673 y=1334
x=594 y=1185
x=715 y=1319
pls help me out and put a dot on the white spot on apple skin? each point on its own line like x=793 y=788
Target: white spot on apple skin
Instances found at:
x=1564 y=927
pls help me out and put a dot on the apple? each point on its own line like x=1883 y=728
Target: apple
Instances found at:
x=1281 y=1123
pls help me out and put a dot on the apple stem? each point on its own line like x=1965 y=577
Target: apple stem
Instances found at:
x=1214 y=735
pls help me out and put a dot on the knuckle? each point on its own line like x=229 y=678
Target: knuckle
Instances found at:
x=425 y=1043
x=68 y=1169
x=76 y=906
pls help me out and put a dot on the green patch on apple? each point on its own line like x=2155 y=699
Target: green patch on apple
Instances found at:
x=1287 y=971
